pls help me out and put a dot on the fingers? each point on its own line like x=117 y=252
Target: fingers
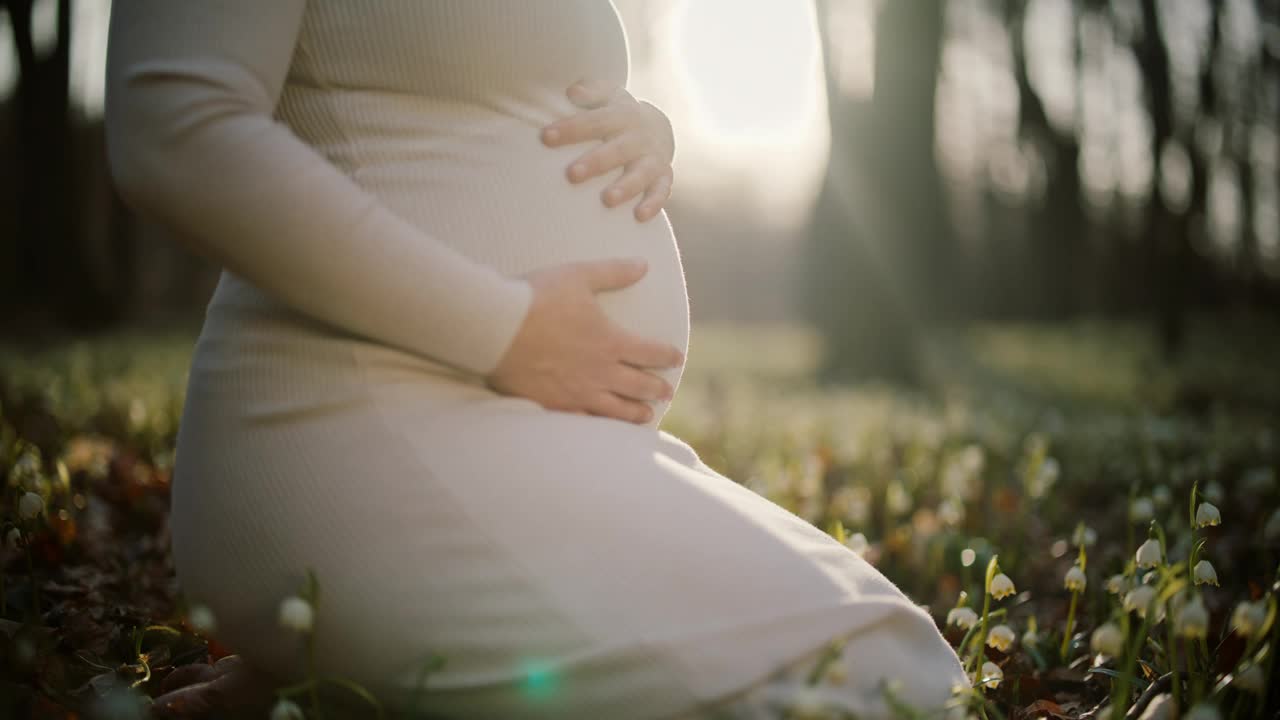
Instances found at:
x=610 y=405
x=636 y=384
x=649 y=354
x=615 y=153
x=592 y=93
x=655 y=197
x=600 y=123
x=612 y=274
x=640 y=174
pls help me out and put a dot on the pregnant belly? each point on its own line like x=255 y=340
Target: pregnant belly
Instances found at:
x=501 y=197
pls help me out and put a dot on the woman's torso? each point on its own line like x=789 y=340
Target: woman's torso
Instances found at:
x=436 y=108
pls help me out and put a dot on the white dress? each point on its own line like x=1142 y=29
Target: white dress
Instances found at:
x=370 y=174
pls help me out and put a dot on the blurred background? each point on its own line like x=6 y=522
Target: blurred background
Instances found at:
x=874 y=172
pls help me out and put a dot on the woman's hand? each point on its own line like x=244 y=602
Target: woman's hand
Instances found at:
x=636 y=133
x=568 y=355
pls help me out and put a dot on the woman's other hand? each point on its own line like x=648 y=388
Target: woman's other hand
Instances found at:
x=636 y=135
x=569 y=356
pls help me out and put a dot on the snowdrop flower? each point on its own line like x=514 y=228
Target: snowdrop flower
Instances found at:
x=1193 y=619
x=1107 y=640
x=1203 y=711
x=1044 y=480
x=13 y=538
x=1271 y=531
x=967 y=557
x=1117 y=584
x=1161 y=495
x=296 y=614
x=1207 y=514
x=808 y=703
x=1001 y=586
x=1251 y=678
x=1084 y=535
x=991 y=675
x=962 y=617
x=1142 y=509
x=1205 y=574
x=1138 y=599
x=1149 y=554
x=1248 y=617
x=1000 y=637
x=30 y=505
x=201 y=619
x=1161 y=707
x=1075 y=579
x=857 y=542
x=286 y=710
x=1031 y=638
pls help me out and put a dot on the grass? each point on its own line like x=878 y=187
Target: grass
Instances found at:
x=1036 y=449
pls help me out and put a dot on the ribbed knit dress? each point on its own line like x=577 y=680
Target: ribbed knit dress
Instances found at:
x=371 y=176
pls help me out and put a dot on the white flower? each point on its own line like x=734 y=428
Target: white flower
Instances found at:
x=1203 y=711
x=30 y=505
x=1193 y=619
x=1107 y=640
x=897 y=499
x=1251 y=678
x=808 y=703
x=201 y=619
x=1207 y=514
x=1075 y=579
x=1142 y=509
x=991 y=675
x=1001 y=586
x=287 y=710
x=1149 y=554
x=1271 y=531
x=857 y=542
x=1248 y=617
x=1084 y=535
x=1117 y=584
x=1161 y=495
x=1161 y=707
x=1205 y=574
x=1138 y=599
x=1044 y=480
x=1000 y=637
x=296 y=614
x=13 y=538
x=962 y=617
x=967 y=556
x=1031 y=637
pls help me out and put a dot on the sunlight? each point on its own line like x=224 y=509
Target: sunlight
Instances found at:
x=746 y=64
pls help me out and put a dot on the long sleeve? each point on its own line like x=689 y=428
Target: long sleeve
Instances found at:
x=191 y=87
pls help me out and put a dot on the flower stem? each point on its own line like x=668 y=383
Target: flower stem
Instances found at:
x=1120 y=701
x=981 y=640
x=1176 y=681
x=35 y=586
x=1071 y=618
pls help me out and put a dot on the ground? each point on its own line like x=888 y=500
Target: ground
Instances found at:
x=1031 y=450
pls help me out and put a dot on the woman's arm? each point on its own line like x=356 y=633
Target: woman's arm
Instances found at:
x=191 y=87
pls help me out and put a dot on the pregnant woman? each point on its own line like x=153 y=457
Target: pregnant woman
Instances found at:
x=431 y=373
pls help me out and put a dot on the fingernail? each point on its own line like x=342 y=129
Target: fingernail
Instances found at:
x=578 y=170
